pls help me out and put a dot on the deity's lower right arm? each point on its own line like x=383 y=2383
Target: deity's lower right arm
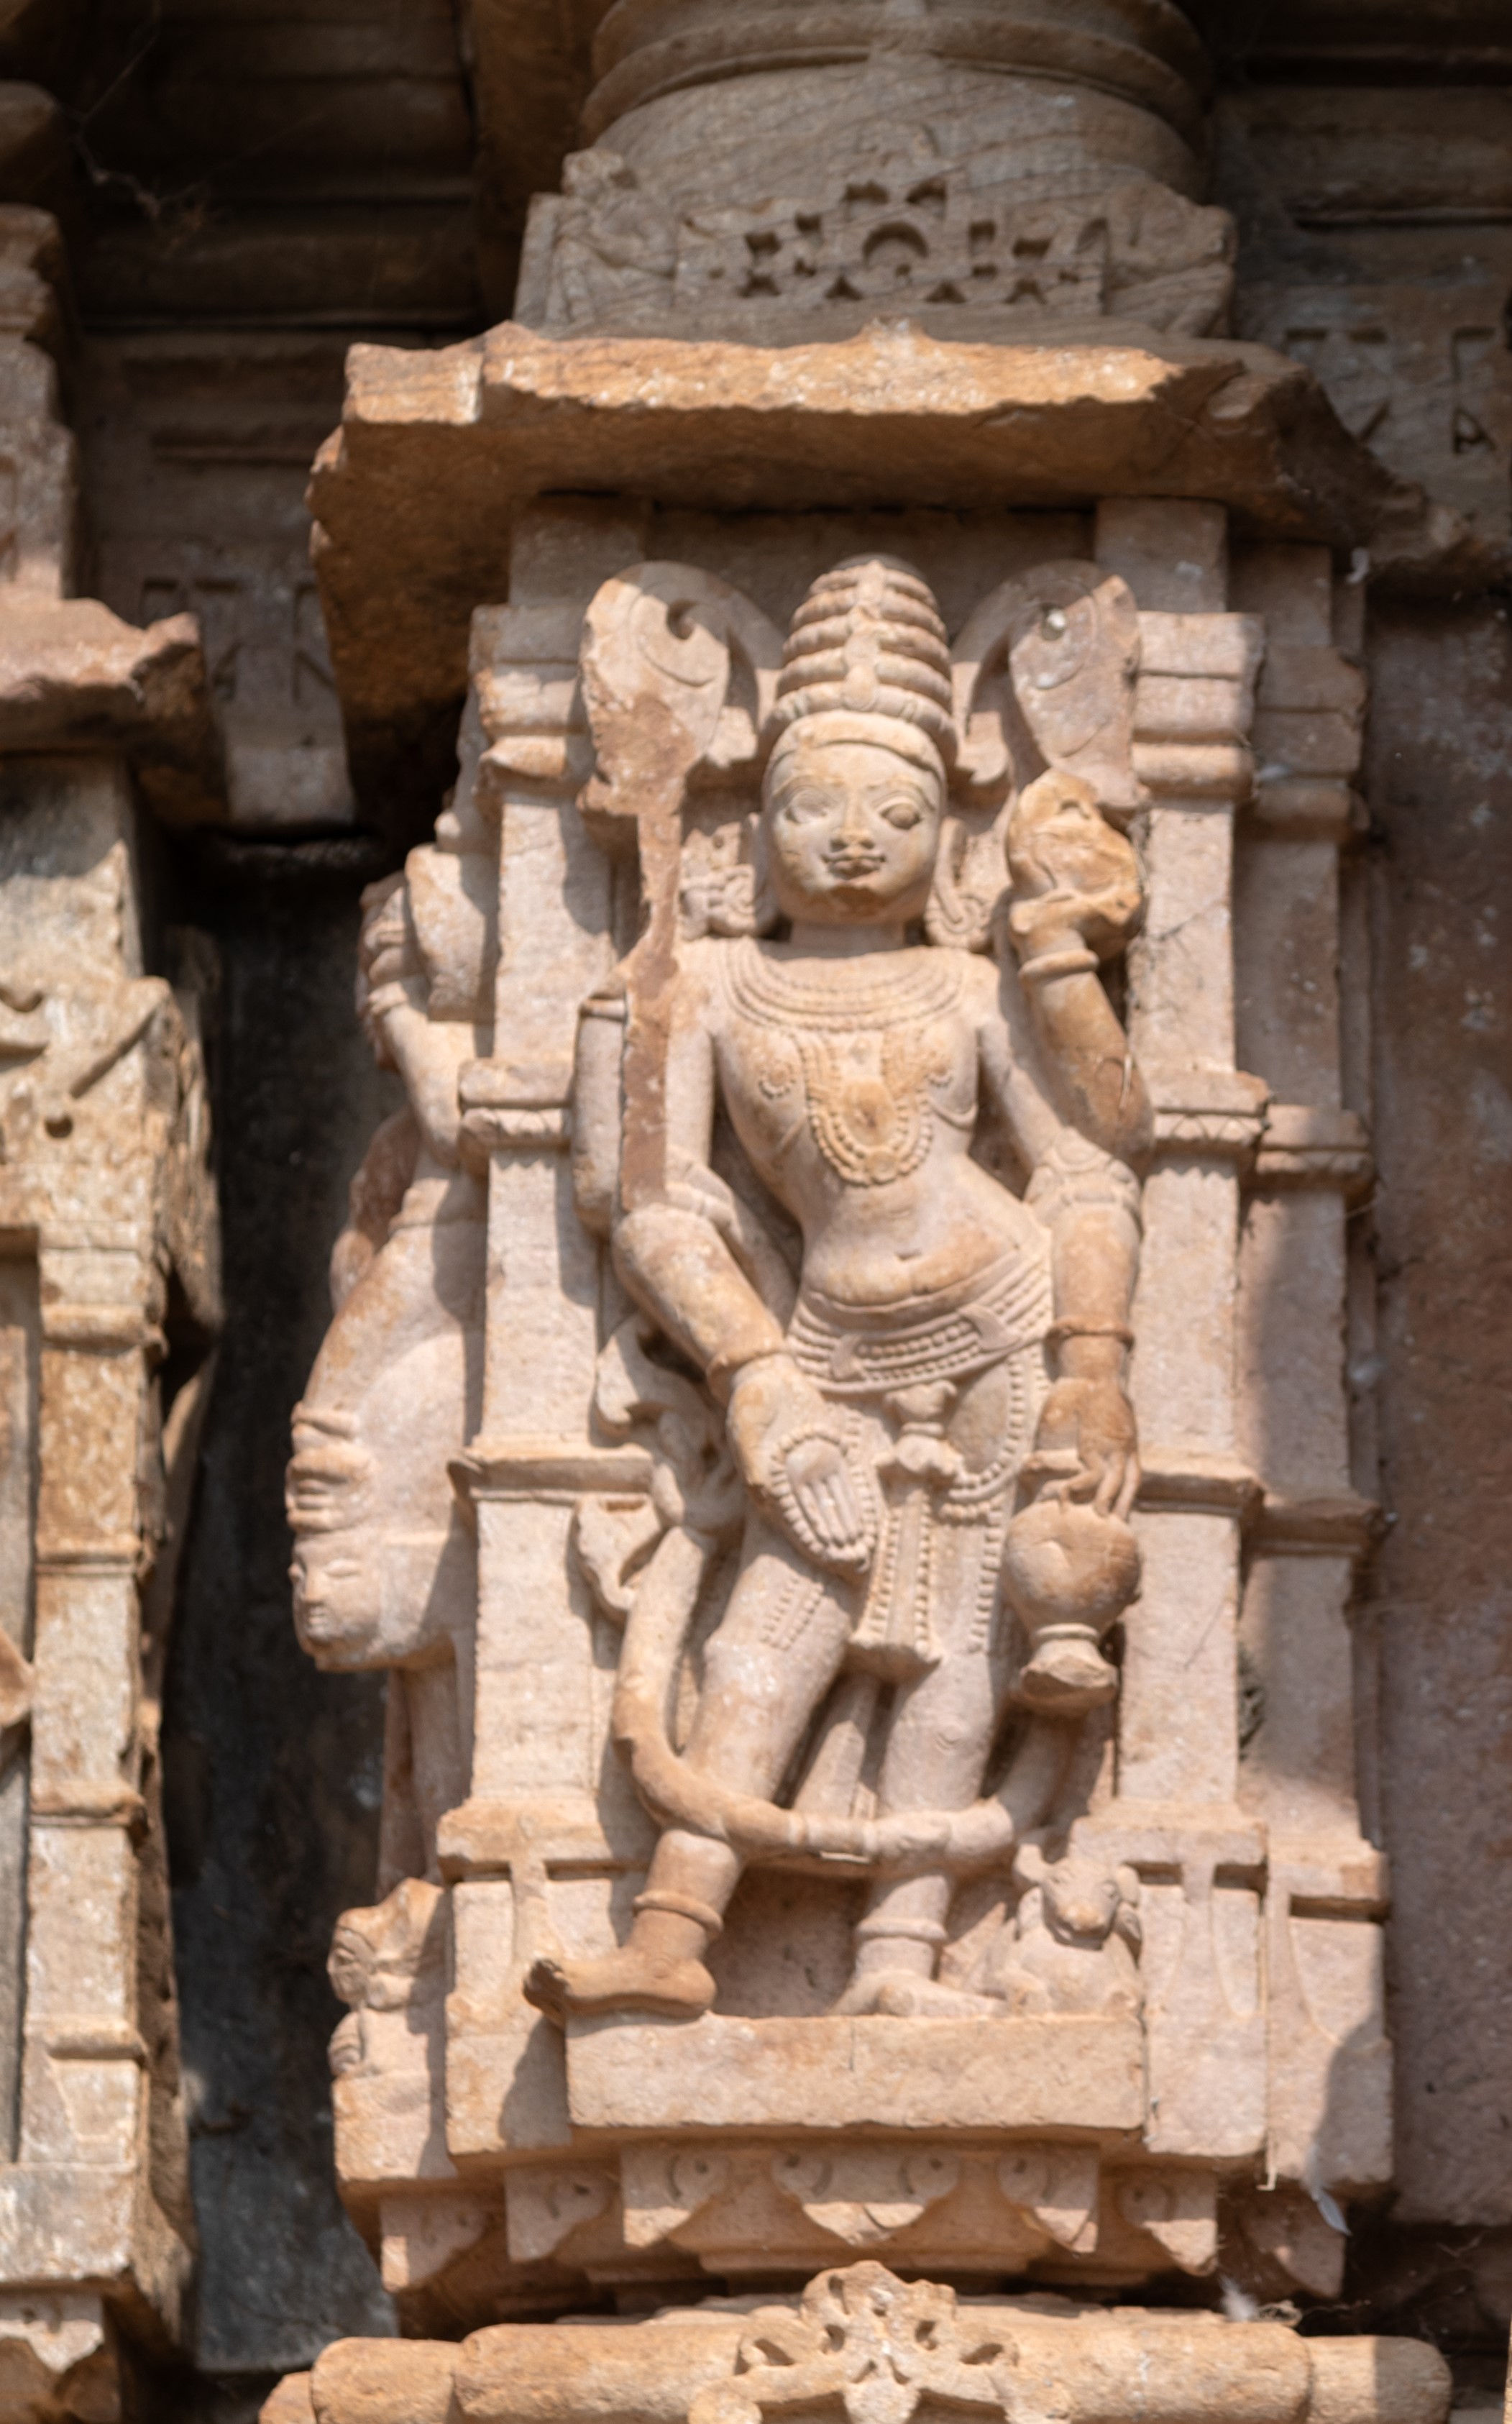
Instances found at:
x=675 y=1264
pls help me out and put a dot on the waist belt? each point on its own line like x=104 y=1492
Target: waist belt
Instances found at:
x=857 y=1353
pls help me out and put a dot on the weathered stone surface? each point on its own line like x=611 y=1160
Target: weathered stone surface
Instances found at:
x=1440 y=793
x=289 y=2404
x=798 y=170
x=405 y=2383
x=194 y=455
x=835 y=2074
x=294 y=170
x=1218 y=1859
x=73 y=677
x=1378 y=253
x=1181 y=1952
x=531 y=74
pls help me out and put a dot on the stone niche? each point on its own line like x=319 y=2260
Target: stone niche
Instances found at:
x=835 y=1416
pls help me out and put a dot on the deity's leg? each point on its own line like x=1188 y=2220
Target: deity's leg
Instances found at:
x=942 y=1728
x=938 y=1741
x=775 y=1655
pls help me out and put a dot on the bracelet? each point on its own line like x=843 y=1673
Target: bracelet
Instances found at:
x=681 y=1905
x=1058 y=964
x=1071 y=1329
x=394 y=994
x=724 y=1370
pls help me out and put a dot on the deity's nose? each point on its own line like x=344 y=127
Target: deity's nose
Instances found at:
x=854 y=825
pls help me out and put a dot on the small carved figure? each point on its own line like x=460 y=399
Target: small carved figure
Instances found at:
x=886 y=1416
x=390 y=1959
x=1075 y=1939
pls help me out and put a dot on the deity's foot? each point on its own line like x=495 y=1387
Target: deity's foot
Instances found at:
x=899 y=1995
x=924 y=1998
x=625 y=1981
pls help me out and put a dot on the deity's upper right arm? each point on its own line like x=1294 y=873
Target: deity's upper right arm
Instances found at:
x=597 y=1107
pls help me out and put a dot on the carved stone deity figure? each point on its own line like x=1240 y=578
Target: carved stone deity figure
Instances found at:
x=384 y=1566
x=928 y=1416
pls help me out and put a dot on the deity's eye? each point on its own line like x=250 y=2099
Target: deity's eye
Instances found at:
x=904 y=813
x=801 y=807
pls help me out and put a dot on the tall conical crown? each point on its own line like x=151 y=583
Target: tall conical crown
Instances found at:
x=867 y=640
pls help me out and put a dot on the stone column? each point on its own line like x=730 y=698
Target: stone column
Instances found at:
x=545 y=1796
x=880 y=155
x=923 y=282
x=1174 y=1812
x=108 y=1260
x=1329 y=2062
x=106 y=1201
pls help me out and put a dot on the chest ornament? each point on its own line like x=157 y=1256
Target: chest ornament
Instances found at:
x=869 y=1044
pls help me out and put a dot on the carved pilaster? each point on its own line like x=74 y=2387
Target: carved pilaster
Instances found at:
x=1330 y=2059
x=104 y=1200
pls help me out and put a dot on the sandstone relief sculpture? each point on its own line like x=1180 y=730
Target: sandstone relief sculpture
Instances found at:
x=812 y=1821
x=917 y=1368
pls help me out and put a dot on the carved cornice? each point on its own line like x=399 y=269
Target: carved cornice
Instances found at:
x=546 y=1468
x=1337 y=1524
x=1217 y=1111
x=1307 y=1147
x=889 y=417
x=1192 y=1480
x=73 y=675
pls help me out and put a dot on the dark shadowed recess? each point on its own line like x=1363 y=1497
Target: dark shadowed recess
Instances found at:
x=273 y=1771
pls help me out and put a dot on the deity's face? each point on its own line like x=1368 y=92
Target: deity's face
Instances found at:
x=370 y=1597
x=852 y=833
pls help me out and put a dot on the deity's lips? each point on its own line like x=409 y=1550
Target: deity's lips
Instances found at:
x=853 y=871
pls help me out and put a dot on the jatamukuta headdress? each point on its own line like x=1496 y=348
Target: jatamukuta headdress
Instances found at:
x=868 y=658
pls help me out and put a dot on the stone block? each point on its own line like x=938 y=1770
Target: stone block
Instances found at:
x=869 y=2074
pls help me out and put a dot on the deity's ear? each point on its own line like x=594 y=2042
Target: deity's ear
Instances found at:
x=1050 y=660
x=679 y=674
